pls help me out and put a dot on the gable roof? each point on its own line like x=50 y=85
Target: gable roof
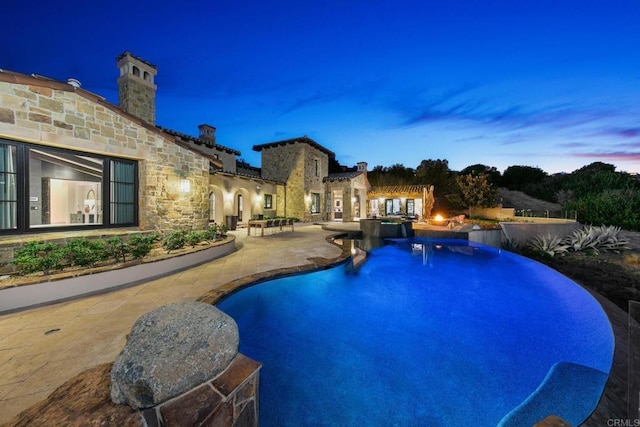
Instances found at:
x=302 y=140
x=42 y=81
x=199 y=141
x=398 y=191
x=342 y=176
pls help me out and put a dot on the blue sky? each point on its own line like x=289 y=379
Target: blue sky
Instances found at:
x=551 y=84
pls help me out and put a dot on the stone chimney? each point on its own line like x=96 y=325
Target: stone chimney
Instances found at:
x=362 y=167
x=136 y=89
x=207 y=134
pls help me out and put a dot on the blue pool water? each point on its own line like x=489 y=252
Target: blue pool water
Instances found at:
x=425 y=332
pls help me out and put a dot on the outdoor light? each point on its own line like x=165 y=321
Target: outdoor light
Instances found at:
x=185 y=185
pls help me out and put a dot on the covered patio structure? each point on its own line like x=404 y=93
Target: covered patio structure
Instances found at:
x=409 y=201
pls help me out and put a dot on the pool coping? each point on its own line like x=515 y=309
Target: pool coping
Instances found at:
x=316 y=264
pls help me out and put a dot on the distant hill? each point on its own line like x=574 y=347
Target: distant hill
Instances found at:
x=519 y=200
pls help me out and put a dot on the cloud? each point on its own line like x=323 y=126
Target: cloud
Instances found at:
x=624 y=132
x=574 y=145
x=627 y=156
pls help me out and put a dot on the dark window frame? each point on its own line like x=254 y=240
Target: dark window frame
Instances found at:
x=268 y=201
x=23 y=226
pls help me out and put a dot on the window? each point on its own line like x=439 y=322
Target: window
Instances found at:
x=8 y=187
x=410 y=207
x=316 y=167
x=268 y=201
x=43 y=187
x=315 y=203
x=122 y=192
x=65 y=188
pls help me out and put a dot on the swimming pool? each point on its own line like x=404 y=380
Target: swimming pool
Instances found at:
x=425 y=332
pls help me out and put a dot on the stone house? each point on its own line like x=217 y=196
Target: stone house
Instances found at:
x=70 y=161
x=410 y=201
x=348 y=194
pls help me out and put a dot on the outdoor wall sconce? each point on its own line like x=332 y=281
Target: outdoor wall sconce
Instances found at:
x=185 y=185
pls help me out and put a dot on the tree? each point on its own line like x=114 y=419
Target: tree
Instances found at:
x=394 y=175
x=438 y=174
x=517 y=177
x=492 y=172
x=476 y=191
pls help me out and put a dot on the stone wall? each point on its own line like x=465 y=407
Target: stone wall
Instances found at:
x=230 y=399
x=59 y=115
x=294 y=164
x=226 y=188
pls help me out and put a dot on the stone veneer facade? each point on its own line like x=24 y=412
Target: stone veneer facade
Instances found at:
x=55 y=114
x=354 y=187
x=294 y=163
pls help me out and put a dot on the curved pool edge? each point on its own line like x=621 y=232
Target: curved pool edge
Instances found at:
x=216 y=295
x=565 y=384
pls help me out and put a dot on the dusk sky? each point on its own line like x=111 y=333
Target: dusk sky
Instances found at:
x=552 y=84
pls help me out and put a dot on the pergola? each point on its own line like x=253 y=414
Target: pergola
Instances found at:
x=424 y=192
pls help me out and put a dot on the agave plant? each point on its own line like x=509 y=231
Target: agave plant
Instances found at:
x=548 y=244
x=596 y=239
x=609 y=239
x=583 y=239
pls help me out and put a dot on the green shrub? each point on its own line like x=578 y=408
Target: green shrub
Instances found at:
x=141 y=244
x=38 y=256
x=194 y=237
x=211 y=233
x=117 y=249
x=611 y=207
x=84 y=252
x=174 y=240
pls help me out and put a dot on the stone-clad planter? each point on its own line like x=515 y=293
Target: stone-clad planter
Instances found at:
x=31 y=295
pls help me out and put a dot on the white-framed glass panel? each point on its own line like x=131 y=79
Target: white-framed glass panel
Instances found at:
x=396 y=206
x=374 y=206
x=315 y=203
x=410 y=207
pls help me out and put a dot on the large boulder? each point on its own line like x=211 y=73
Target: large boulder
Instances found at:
x=170 y=350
